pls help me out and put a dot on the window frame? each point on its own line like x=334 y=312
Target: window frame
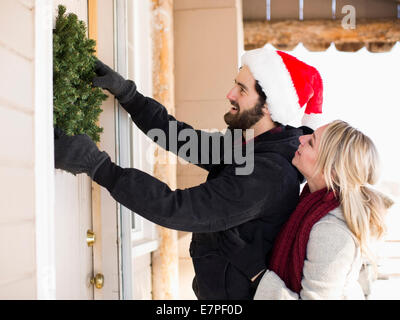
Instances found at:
x=133 y=56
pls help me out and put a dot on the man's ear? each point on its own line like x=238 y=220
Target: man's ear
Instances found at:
x=265 y=109
x=266 y=112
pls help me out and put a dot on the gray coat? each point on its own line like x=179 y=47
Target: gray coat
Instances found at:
x=331 y=269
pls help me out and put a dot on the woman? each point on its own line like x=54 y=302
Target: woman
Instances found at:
x=319 y=252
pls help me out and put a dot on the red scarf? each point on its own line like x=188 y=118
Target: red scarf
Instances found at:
x=289 y=251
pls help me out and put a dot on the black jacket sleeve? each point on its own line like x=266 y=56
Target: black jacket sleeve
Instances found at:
x=216 y=205
x=148 y=115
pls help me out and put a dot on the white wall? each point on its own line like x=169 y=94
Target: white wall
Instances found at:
x=17 y=153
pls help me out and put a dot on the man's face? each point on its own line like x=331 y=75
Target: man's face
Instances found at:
x=246 y=108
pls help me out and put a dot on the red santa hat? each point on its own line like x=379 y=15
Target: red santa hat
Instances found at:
x=289 y=84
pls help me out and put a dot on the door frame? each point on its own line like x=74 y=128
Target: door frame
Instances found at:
x=123 y=140
x=105 y=213
x=44 y=150
x=132 y=59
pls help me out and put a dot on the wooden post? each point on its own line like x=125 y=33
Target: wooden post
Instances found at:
x=165 y=260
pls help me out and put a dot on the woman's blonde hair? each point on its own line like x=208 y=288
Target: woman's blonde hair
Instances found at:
x=349 y=162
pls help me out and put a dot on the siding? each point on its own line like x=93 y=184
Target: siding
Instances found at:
x=17 y=176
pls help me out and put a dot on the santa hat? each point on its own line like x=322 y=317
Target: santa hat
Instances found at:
x=288 y=83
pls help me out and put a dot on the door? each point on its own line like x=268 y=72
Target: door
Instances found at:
x=74 y=258
x=73 y=215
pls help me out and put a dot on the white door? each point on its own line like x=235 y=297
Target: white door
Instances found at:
x=74 y=258
x=73 y=215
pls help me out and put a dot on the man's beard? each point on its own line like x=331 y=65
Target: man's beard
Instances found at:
x=246 y=119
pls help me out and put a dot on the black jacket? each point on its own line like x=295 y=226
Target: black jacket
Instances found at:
x=234 y=218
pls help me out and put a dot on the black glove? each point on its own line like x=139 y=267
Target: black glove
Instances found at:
x=77 y=154
x=112 y=81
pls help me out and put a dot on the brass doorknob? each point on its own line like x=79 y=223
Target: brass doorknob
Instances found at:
x=90 y=238
x=98 y=281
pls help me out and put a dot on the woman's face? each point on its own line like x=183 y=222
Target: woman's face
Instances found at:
x=306 y=155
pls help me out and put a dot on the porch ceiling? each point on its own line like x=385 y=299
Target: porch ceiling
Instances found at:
x=318 y=23
x=377 y=35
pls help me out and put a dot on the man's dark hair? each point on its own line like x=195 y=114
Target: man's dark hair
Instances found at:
x=262 y=98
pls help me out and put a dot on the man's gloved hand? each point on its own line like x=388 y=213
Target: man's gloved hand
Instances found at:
x=77 y=154
x=113 y=81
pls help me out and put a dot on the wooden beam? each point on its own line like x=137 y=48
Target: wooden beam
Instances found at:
x=377 y=35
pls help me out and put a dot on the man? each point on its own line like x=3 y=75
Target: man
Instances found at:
x=234 y=217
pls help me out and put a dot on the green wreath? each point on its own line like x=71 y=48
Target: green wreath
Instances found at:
x=76 y=102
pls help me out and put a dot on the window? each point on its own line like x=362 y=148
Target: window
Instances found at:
x=133 y=61
x=139 y=56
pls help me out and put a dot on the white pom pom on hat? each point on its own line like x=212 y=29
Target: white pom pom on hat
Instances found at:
x=288 y=83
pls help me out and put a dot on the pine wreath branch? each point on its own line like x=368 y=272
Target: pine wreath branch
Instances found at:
x=76 y=102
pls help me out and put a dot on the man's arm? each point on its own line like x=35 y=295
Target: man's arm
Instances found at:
x=204 y=148
x=153 y=119
x=216 y=205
